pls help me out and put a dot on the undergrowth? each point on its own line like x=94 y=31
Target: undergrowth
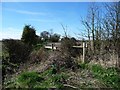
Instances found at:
x=109 y=76
x=44 y=80
x=51 y=78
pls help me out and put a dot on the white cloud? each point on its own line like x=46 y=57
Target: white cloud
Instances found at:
x=29 y=12
x=26 y=12
x=10 y=32
x=42 y=20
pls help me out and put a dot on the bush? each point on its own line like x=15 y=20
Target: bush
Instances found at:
x=38 y=55
x=18 y=51
x=66 y=46
x=59 y=60
x=8 y=67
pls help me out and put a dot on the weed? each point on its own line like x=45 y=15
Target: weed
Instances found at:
x=82 y=65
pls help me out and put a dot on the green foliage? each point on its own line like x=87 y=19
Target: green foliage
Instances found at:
x=45 y=35
x=24 y=80
x=8 y=68
x=29 y=79
x=109 y=76
x=53 y=80
x=50 y=80
x=29 y=35
x=8 y=65
x=83 y=65
x=97 y=69
x=57 y=79
x=35 y=80
x=54 y=70
x=18 y=51
x=54 y=38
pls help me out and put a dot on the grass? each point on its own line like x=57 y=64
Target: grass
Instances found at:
x=83 y=65
x=25 y=80
x=29 y=79
x=109 y=76
x=35 y=80
x=52 y=79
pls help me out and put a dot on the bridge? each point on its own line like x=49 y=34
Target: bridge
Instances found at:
x=56 y=46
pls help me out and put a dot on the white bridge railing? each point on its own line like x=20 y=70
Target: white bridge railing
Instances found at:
x=83 y=46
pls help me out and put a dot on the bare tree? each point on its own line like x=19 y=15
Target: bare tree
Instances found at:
x=92 y=24
x=113 y=26
x=65 y=30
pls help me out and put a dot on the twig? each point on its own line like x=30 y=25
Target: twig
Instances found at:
x=70 y=86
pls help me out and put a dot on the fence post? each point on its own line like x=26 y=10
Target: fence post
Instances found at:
x=84 y=46
x=52 y=47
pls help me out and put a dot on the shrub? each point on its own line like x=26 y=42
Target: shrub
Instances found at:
x=18 y=51
x=8 y=67
x=14 y=53
x=38 y=55
x=66 y=46
x=60 y=60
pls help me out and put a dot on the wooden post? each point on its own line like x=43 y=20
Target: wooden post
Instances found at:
x=83 y=52
x=52 y=47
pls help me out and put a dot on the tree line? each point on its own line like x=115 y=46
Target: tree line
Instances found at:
x=29 y=36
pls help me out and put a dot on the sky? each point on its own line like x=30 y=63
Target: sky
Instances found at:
x=43 y=16
x=59 y=0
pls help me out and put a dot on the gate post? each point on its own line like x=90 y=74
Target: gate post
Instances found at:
x=84 y=46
